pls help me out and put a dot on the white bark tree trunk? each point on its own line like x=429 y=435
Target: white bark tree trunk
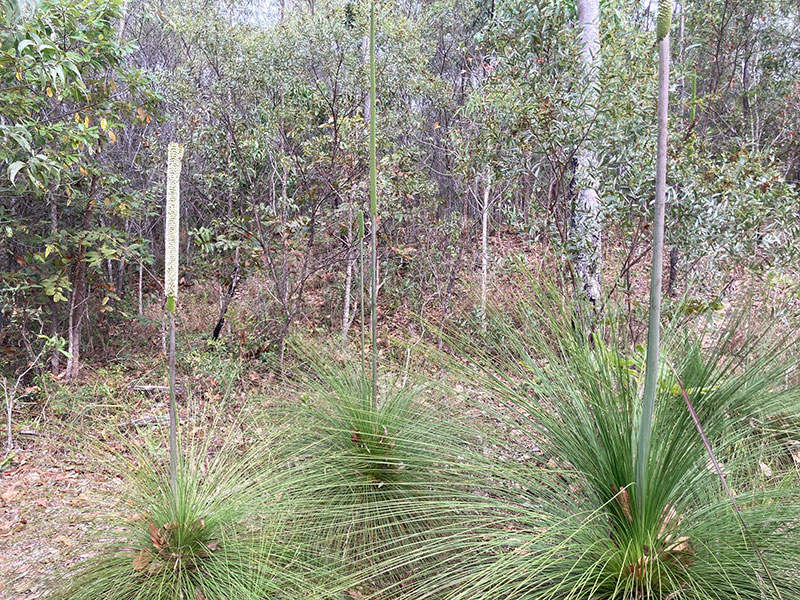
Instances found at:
x=487 y=191
x=348 y=277
x=587 y=210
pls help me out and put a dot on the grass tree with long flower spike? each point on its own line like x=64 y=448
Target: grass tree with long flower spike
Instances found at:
x=171 y=262
x=653 y=335
x=373 y=203
x=565 y=524
x=228 y=534
x=384 y=473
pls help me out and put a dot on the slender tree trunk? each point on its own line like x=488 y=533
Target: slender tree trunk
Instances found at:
x=587 y=211
x=78 y=300
x=672 y=273
x=120 y=286
x=485 y=244
x=348 y=277
x=123 y=21
x=139 y=291
x=55 y=358
x=225 y=300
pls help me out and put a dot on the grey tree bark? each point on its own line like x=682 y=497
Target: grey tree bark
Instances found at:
x=487 y=191
x=587 y=210
x=348 y=277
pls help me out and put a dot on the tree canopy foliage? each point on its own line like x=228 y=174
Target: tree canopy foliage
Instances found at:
x=270 y=101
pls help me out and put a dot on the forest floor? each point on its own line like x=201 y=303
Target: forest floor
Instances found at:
x=48 y=505
x=59 y=487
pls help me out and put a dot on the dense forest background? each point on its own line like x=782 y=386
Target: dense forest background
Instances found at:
x=485 y=111
x=531 y=428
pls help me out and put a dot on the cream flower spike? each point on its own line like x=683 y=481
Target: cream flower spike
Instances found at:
x=171 y=237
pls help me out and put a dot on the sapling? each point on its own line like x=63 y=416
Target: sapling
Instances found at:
x=171 y=251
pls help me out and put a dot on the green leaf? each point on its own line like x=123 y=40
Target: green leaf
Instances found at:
x=15 y=168
x=24 y=44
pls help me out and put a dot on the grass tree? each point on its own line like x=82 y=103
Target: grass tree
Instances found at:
x=213 y=521
x=376 y=482
x=373 y=203
x=382 y=473
x=226 y=534
x=569 y=523
x=647 y=485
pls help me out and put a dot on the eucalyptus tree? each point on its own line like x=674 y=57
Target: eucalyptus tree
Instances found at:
x=587 y=212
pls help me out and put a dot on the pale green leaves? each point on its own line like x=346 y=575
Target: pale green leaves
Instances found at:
x=14 y=169
x=171 y=237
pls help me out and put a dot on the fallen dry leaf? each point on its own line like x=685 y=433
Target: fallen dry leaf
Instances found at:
x=142 y=560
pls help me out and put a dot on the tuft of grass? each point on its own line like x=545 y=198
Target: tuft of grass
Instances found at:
x=379 y=480
x=225 y=534
x=571 y=523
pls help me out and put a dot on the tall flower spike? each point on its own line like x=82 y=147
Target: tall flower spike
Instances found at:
x=171 y=238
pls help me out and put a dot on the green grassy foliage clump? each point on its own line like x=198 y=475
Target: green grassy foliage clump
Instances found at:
x=380 y=482
x=575 y=525
x=225 y=534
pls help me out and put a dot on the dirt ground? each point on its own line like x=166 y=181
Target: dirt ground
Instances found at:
x=49 y=501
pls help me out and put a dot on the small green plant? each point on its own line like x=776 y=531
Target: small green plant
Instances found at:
x=224 y=535
x=379 y=480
